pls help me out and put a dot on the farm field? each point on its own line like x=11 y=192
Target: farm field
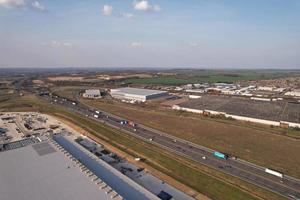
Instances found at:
x=254 y=145
x=198 y=76
x=67 y=91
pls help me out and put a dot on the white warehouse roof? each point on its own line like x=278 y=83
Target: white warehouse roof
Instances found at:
x=136 y=94
x=92 y=92
x=137 y=91
x=39 y=171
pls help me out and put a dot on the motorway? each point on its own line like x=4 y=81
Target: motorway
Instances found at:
x=287 y=186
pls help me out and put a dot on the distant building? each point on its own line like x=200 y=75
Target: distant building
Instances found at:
x=92 y=93
x=265 y=88
x=295 y=93
x=188 y=86
x=279 y=89
x=195 y=91
x=227 y=91
x=194 y=97
x=136 y=94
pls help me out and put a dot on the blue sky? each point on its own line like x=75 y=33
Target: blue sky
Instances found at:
x=152 y=33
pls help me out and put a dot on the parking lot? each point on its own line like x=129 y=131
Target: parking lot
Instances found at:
x=268 y=110
x=19 y=128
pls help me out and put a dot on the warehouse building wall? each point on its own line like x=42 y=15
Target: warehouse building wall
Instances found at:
x=241 y=118
x=127 y=96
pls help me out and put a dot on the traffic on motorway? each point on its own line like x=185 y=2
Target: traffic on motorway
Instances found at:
x=263 y=177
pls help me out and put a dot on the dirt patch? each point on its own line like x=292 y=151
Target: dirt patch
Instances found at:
x=66 y=78
x=123 y=76
x=170 y=103
x=40 y=82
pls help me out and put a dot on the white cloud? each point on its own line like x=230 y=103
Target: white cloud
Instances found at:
x=55 y=44
x=67 y=44
x=136 y=44
x=127 y=15
x=145 y=6
x=193 y=44
x=38 y=6
x=58 y=44
x=156 y=8
x=107 y=10
x=12 y=3
x=142 y=5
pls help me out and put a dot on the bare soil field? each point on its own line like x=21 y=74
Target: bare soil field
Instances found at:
x=170 y=103
x=258 y=146
x=67 y=91
x=123 y=76
x=66 y=78
x=37 y=81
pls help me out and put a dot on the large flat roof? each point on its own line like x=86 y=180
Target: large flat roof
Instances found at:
x=137 y=91
x=38 y=172
x=124 y=186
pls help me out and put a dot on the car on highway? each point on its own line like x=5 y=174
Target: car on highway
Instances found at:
x=293 y=197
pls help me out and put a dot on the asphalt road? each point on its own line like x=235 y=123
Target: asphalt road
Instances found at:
x=287 y=186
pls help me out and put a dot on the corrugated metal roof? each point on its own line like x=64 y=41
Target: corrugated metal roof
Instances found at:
x=112 y=177
x=137 y=91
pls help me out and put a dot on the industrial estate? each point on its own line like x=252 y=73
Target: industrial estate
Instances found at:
x=65 y=137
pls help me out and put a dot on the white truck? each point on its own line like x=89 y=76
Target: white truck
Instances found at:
x=274 y=173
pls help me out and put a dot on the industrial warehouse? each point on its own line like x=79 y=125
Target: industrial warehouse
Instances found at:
x=276 y=113
x=46 y=173
x=60 y=163
x=92 y=93
x=136 y=94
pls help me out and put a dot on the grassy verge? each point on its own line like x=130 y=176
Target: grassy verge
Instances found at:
x=254 y=144
x=214 y=184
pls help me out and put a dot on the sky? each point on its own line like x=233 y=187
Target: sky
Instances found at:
x=150 y=33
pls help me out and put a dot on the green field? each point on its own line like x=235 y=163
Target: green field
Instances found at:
x=209 y=76
x=215 y=185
